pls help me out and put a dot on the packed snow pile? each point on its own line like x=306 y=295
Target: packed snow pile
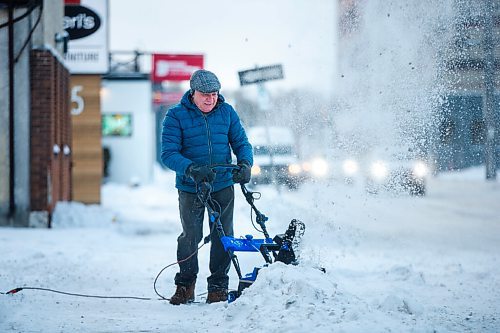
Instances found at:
x=281 y=291
x=76 y=214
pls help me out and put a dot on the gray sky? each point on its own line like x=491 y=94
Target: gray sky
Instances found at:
x=236 y=35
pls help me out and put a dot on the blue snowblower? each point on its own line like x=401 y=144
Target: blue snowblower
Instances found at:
x=279 y=248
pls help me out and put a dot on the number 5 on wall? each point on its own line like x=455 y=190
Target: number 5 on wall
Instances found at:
x=78 y=100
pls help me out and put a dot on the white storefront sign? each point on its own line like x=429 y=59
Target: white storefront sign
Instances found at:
x=86 y=23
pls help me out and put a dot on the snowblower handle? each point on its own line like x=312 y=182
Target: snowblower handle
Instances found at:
x=221 y=167
x=249 y=196
x=204 y=189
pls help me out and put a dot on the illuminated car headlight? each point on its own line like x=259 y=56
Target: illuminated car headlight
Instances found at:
x=379 y=170
x=294 y=169
x=319 y=167
x=350 y=167
x=256 y=170
x=420 y=169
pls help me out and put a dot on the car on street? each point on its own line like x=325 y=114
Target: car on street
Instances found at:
x=395 y=170
x=275 y=157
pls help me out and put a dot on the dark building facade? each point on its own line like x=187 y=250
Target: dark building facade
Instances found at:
x=468 y=123
x=35 y=127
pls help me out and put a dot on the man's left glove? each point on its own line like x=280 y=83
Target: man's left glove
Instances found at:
x=243 y=174
x=200 y=173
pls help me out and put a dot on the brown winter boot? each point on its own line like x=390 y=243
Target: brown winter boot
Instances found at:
x=183 y=295
x=217 y=296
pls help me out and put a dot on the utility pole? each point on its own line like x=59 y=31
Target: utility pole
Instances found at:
x=489 y=84
x=12 y=155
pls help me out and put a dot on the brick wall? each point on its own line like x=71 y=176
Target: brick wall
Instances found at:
x=50 y=169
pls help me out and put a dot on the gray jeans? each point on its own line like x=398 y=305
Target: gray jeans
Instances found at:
x=192 y=213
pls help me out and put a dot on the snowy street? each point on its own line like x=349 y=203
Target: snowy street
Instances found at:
x=393 y=263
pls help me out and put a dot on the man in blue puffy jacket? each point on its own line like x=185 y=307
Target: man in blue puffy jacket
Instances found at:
x=199 y=132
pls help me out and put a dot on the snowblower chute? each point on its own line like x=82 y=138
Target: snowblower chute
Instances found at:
x=280 y=248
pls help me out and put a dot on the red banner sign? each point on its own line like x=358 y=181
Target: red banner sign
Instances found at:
x=175 y=67
x=167 y=98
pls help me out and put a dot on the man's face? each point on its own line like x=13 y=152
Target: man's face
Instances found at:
x=205 y=102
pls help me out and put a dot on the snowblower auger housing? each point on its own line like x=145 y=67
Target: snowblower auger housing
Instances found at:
x=283 y=243
x=281 y=246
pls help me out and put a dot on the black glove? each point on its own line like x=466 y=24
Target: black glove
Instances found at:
x=200 y=173
x=243 y=174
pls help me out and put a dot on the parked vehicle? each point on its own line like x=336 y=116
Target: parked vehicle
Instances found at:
x=275 y=156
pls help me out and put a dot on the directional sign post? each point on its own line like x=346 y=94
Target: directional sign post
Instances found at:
x=261 y=74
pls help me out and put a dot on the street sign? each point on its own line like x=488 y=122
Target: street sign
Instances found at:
x=261 y=74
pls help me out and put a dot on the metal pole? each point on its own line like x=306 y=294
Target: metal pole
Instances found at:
x=12 y=202
x=489 y=72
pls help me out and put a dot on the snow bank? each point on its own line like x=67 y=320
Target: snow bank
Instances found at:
x=76 y=214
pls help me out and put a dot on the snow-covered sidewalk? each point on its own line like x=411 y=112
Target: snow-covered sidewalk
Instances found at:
x=399 y=264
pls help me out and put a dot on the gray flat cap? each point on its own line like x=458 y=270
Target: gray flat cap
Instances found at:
x=204 y=81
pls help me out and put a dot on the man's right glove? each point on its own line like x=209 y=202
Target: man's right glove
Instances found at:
x=243 y=174
x=200 y=173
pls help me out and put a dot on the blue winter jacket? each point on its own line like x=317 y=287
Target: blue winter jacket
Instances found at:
x=191 y=136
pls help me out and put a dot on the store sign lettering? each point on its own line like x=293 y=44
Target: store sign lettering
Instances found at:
x=80 y=21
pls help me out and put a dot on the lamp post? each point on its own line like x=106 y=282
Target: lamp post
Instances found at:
x=489 y=102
